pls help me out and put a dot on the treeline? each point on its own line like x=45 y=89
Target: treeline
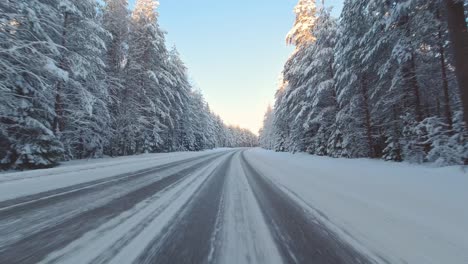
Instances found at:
x=80 y=80
x=380 y=82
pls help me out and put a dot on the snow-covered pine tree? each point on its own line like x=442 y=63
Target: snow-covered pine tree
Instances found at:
x=199 y=120
x=395 y=87
x=301 y=33
x=83 y=119
x=210 y=129
x=420 y=57
x=239 y=137
x=177 y=99
x=181 y=89
x=280 y=121
x=354 y=118
x=28 y=71
x=448 y=146
x=321 y=107
x=296 y=73
x=115 y=19
x=436 y=14
x=266 y=133
x=220 y=133
x=376 y=61
x=292 y=94
x=145 y=85
x=402 y=24
x=95 y=81
x=458 y=29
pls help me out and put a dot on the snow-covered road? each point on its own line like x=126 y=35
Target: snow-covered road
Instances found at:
x=220 y=206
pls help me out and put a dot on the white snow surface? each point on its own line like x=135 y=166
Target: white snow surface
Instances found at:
x=395 y=213
x=123 y=238
x=243 y=230
x=18 y=184
x=245 y=234
x=392 y=212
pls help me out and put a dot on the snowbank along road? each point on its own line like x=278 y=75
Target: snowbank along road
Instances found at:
x=211 y=207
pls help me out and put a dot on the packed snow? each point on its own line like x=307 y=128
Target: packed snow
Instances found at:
x=397 y=212
x=245 y=234
x=18 y=184
x=122 y=239
x=390 y=212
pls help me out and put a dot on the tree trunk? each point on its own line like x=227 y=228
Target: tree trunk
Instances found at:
x=59 y=122
x=409 y=70
x=445 y=86
x=412 y=90
x=368 y=120
x=459 y=38
x=397 y=133
x=416 y=91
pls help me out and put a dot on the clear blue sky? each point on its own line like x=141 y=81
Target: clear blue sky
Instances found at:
x=234 y=50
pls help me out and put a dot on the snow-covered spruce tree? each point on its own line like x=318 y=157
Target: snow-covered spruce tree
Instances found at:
x=206 y=130
x=199 y=120
x=448 y=146
x=197 y=125
x=423 y=74
x=414 y=140
x=296 y=72
x=385 y=86
x=281 y=132
x=354 y=118
x=443 y=58
x=377 y=63
x=210 y=136
x=220 y=131
x=290 y=95
x=395 y=87
x=28 y=71
x=406 y=48
x=182 y=132
x=402 y=24
x=145 y=87
x=115 y=19
x=212 y=139
x=266 y=133
x=188 y=127
x=65 y=77
x=301 y=33
x=82 y=117
x=239 y=137
x=177 y=99
x=458 y=29
x=320 y=107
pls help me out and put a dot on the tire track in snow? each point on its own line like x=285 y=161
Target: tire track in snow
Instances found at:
x=35 y=201
x=192 y=238
x=35 y=247
x=70 y=169
x=110 y=241
x=245 y=235
x=299 y=237
x=17 y=223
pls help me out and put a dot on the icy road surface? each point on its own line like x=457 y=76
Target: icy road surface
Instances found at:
x=221 y=206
